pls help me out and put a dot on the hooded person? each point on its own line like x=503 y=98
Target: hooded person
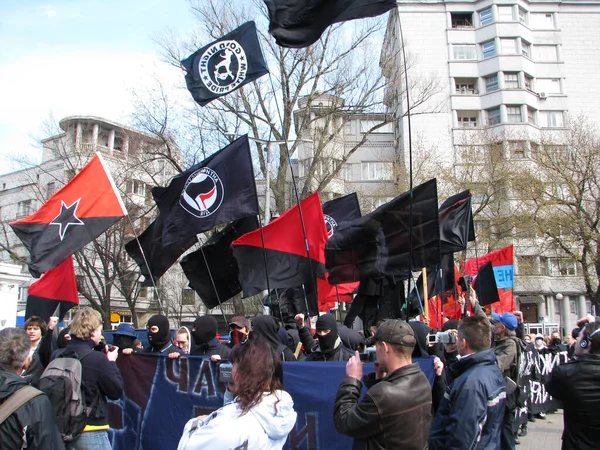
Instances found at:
x=266 y=327
x=64 y=337
x=159 y=336
x=183 y=339
x=330 y=346
x=204 y=335
x=124 y=336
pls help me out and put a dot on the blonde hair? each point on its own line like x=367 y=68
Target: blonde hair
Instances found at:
x=86 y=321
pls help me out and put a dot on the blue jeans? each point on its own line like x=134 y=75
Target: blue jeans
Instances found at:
x=91 y=440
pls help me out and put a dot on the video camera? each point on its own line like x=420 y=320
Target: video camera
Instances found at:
x=465 y=282
x=369 y=355
x=225 y=368
x=443 y=337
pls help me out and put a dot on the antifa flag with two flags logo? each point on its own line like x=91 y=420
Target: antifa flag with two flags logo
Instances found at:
x=336 y=211
x=220 y=189
x=225 y=65
x=77 y=214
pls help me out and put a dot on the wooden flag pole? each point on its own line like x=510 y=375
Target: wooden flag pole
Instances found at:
x=425 y=294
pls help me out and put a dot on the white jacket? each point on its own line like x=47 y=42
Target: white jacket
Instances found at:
x=265 y=426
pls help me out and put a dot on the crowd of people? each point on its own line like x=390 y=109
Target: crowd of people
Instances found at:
x=471 y=404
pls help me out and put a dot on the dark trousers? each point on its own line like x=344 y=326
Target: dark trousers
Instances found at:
x=507 y=435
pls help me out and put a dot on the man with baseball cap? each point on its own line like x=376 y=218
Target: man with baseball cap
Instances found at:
x=396 y=411
x=506 y=348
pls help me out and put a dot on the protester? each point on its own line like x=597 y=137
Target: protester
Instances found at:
x=239 y=328
x=100 y=378
x=351 y=339
x=31 y=425
x=396 y=411
x=539 y=342
x=205 y=341
x=329 y=347
x=183 y=338
x=570 y=341
x=577 y=385
x=471 y=413
x=40 y=338
x=508 y=348
x=266 y=327
x=159 y=337
x=63 y=339
x=124 y=337
x=262 y=414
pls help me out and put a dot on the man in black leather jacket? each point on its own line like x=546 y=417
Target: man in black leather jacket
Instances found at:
x=396 y=411
x=577 y=385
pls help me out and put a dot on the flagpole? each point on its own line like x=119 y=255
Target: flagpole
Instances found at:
x=160 y=305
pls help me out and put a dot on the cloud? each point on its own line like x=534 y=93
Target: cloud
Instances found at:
x=49 y=11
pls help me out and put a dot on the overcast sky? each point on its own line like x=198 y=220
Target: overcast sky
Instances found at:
x=76 y=57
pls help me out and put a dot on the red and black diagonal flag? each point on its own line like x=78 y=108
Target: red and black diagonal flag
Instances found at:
x=220 y=189
x=76 y=215
x=216 y=256
x=287 y=262
x=57 y=289
x=225 y=64
x=378 y=244
x=300 y=23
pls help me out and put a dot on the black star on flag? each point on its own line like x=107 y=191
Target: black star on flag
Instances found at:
x=66 y=218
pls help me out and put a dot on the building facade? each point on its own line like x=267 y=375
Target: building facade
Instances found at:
x=512 y=72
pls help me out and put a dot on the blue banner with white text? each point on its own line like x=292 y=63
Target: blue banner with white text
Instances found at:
x=162 y=394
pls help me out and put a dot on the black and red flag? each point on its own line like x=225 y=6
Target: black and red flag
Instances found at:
x=56 y=290
x=215 y=263
x=220 y=189
x=300 y=23
x=77 y=214
x=225 y=64
x=377 y=245
x=287 y=261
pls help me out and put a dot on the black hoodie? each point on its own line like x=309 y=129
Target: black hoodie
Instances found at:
x=267 y=328
x=35 y=418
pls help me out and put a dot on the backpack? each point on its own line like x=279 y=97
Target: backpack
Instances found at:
x=61 y=382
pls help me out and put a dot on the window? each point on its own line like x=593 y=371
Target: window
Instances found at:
x=513 y=114
x=511 y=81
x=525 y=48
x=136 y=187
x=493 y=116
x=534 y=148
x=545 y=53
x=488 y=49
x=465 y=87
x=506 y=14
x=467 y=121
x=51 y=189
x=528 y=82
x=572 y=307
x=143 y=292
x=543 y=265
x=367 y=125
x=548 y=85
x=188 y=297
x=24 y=208
x=462 y=20
x=376 y=170
x=485 y=17
x=491 y=83
x=588 y=306
x=523 y=16
x=531 y=116
x=464 y=52
x=517 y=149
x=526 y=265
x=551 y=119
x=509 y=46
x=541 y=20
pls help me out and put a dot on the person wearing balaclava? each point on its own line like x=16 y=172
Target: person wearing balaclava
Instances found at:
x=124 y=337
x=159 y=336
x=61 y=342
x=330 y=346
x=267 y=328
x=204 y=335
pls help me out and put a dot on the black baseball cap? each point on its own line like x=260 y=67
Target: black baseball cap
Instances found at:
x=395 y=331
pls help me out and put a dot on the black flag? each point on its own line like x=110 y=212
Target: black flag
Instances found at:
x=225 y=64
x=485 y=285
x=456 y=223
x=377 y=244
x=223 y=266
x=220 y=189
x=340 y=210
x=300 y=23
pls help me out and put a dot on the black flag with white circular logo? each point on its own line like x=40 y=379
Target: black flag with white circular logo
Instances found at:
x=225 y=65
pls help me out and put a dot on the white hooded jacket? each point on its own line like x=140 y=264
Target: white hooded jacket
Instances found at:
x=265 y=426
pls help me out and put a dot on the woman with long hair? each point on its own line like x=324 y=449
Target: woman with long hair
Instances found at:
x=262 y=414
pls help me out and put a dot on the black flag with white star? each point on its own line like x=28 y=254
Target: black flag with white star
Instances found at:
x=77 y=214
x=225 y=65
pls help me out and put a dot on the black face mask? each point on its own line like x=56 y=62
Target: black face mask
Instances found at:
x=204 y=330
x=163 y=336
x=327 y=342
x=556 y=341
x=123 y=341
